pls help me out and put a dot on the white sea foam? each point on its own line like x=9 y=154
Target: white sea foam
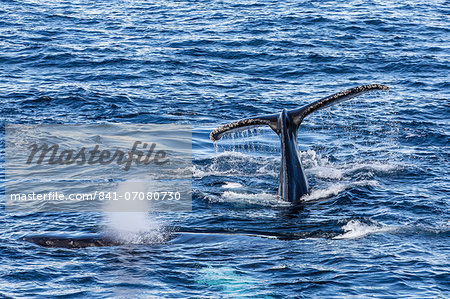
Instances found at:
x=357 y=229
x=331 y=178
x=273 y=199
x=229 y=164
x=213 y=170
x=268 y=169
x=335 y=189
x=332 y=190
x=231 y=185
x=375 y=166
x=234 y=154
x=321 y=167
x=326 y=172
x=262 y=198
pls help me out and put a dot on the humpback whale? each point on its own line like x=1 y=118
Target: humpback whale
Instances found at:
x=56 y=241
x=293 y=183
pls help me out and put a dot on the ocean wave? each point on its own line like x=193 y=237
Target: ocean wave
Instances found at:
x=357 y=229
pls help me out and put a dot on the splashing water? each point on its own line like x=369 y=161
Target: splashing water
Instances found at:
x=254 y=140
x=132 y=227
x=231 y=185
x=357 y=229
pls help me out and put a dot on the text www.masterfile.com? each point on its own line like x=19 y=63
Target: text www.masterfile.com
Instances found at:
x=102 y=196
x=52 y=196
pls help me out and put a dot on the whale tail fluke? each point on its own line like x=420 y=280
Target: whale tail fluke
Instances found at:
x=244 y=124
x=293 y=183
x=296 y=115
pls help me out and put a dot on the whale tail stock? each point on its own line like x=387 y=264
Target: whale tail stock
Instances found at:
x=296 y=115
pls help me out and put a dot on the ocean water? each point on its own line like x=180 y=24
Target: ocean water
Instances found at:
x=377 y=221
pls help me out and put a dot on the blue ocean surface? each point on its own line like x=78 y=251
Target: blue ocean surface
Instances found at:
x=377 y=221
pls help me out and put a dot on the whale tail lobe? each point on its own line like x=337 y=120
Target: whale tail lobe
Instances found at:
x=296 y=115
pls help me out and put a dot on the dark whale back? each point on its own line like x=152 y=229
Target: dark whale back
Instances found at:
x=71 y=242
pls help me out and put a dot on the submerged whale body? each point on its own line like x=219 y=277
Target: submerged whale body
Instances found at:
x=71 y=242
x=293 y=183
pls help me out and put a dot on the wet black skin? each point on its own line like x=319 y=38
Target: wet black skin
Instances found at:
x=293 y=184
x=292 y=181
x=71 y=242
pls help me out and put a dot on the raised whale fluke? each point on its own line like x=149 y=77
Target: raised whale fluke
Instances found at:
x=292 y=182
x=297 y=115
